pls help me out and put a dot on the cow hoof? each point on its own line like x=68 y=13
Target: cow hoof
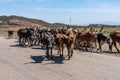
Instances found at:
x=52 y=58
x=119 y=52
x=47 y=57
x=101 y=52
x=68 y=58
x=61 y=56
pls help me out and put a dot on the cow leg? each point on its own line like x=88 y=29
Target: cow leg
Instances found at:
x=77 y=44
x=71 y=52
x=47 y=52
x=62 y=49
x=72 y=47
x=110 y=45
x=115 y=45
x=68 y=52
x=51 y=53
x=86 y=48
x=19 y=41
x=86 y=45
x=25 y=41
x=35 y=42
x=38 y=42
x=100 y=48
x=58 y=51
x=22 y=41
x=95 y=44
x=91 y=49
x=31 y=41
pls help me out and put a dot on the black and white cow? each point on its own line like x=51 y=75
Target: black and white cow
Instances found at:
x=48 y=42
x=101 y=40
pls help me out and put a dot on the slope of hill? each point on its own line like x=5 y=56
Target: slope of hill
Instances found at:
x=22 y=21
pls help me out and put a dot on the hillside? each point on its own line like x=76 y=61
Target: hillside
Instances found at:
x=22 y=21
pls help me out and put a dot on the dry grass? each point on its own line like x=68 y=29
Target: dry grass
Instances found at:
x=4 y=31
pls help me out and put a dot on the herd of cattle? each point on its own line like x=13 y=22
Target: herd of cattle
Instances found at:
x=72 y=39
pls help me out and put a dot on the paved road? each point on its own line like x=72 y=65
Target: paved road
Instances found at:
x=30 y=64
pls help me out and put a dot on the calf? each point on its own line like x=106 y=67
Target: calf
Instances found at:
x=59 y=43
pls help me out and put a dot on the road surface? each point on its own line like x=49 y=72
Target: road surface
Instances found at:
x=18 y=63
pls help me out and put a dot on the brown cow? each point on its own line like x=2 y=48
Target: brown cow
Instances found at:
x=115 y=36
x=59 y=43
x=68 y=38
x=88 y=37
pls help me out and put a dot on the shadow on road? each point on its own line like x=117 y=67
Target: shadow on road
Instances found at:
x=40 y=59
x=16 y=45
x=37 y=59
x=111 y=52
x=39 y=48
x=58 y=60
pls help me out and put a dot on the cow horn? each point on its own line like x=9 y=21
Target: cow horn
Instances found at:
x=85 y=29
x=100 y=29
x=91 y=29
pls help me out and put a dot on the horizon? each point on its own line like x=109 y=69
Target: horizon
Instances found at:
x=81 y=12
x=65 y=23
